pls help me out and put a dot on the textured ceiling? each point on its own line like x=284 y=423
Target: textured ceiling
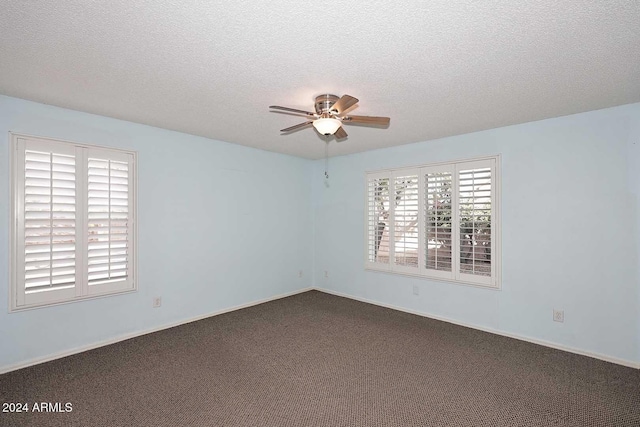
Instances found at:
x=437 y=68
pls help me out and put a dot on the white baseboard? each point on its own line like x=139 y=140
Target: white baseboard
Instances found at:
x=38 y=360
x=550 y=344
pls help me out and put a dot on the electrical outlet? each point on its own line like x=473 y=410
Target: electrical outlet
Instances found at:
x=416 y=290
x=326 y=274
x=300 y=273
x=157 y=302
x=558 y=315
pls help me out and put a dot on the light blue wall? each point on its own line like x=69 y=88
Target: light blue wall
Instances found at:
x=219 y=225
x=570 y=232
x=222 y=225
x=633 y=158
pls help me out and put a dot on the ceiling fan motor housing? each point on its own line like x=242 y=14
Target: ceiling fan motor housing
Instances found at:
x=325 y=102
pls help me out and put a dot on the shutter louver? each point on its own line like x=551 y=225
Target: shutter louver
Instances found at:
x=438 y=220
x=475 y=221
x=108 y=221
x=405 y=218
x=378 y=220
x=49 y=222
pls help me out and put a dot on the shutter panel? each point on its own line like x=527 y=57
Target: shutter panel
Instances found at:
x=438 y=220
x=377 y=220
x=405 y=220
x=475 y=219
x=109 y=221
x=48 y=225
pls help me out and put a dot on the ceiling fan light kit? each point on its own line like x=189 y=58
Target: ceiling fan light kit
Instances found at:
x=327 y=126
x=330 y=115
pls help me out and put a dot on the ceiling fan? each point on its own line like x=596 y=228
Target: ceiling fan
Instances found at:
x=331 y=114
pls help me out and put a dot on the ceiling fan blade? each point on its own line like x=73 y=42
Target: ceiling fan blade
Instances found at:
x=367 y=120
x=344 y=103
x=296 y=127
x=306 y=113
x=340 y=133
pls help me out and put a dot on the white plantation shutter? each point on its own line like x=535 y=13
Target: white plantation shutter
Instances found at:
x=46 y=234
x=438 y=220
x=475 y=215
x=392 y=221
x=73 y=222
x=377 y=221
x=443 y=219
x=406 y=210
x=108 y=221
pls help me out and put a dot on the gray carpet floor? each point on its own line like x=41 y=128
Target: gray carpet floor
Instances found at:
x=320 y=360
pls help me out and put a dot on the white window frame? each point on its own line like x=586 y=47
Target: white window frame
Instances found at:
x=18 y=301
x=494 y=281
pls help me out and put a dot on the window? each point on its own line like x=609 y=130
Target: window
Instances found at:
x=73 y=222
x=438 y=221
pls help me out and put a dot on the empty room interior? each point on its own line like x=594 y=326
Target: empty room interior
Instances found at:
x=320 y=214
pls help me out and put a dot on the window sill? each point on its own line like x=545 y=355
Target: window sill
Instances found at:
x=434 y=279
x=13 y=309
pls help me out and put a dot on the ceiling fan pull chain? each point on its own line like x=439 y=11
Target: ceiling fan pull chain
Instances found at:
x=326 y=158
